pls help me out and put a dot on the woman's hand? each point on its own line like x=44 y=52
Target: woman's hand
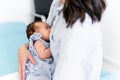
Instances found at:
x=23 y=56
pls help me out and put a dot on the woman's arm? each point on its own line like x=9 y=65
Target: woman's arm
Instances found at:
x=41 y=50
x=23 y=56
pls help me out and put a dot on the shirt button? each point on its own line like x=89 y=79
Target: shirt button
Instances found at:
x=52 y=37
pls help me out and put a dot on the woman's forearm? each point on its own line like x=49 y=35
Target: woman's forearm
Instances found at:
x=26 y=45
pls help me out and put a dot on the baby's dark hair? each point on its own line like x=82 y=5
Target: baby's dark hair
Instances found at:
x=31 y=29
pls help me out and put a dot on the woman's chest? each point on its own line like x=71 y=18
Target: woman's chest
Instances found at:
x=56 y=35
x=58 y=28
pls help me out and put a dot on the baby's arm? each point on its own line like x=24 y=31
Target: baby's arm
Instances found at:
x=42 y=51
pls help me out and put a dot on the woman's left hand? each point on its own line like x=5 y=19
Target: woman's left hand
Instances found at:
x=23 y=56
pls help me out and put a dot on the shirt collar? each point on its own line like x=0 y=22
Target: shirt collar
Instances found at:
x=59 y=9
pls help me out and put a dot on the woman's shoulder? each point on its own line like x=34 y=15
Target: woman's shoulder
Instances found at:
x=86 y=29
x=87 y=24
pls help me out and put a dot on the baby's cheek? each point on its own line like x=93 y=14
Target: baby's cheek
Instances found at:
x=39 y=31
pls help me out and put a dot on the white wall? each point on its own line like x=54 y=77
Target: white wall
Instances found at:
x=16 y=10
x=111 y=33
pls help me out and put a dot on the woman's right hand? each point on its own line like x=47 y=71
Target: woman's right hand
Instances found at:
x=23 y=56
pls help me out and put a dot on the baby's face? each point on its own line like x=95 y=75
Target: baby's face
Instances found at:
x=43 y=29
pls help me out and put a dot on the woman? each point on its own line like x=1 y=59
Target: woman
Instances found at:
x=75 y=40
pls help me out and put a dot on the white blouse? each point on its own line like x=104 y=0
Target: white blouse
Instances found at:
x=77 y=51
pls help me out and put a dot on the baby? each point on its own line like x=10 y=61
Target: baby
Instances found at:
x=38 y=35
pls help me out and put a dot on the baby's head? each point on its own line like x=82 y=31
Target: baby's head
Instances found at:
x=39 y=27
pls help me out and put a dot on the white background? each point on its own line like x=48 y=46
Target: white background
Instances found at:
x=111 y=35
x=16 y=10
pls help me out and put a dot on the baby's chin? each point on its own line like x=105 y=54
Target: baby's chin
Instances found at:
x=47 y=39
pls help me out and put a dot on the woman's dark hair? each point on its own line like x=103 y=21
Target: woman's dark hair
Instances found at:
x=75 y=9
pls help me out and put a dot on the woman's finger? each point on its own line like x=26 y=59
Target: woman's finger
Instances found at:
x=31 y=58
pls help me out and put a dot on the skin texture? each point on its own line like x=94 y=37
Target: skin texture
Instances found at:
x=44 y=30
x=24 y=55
